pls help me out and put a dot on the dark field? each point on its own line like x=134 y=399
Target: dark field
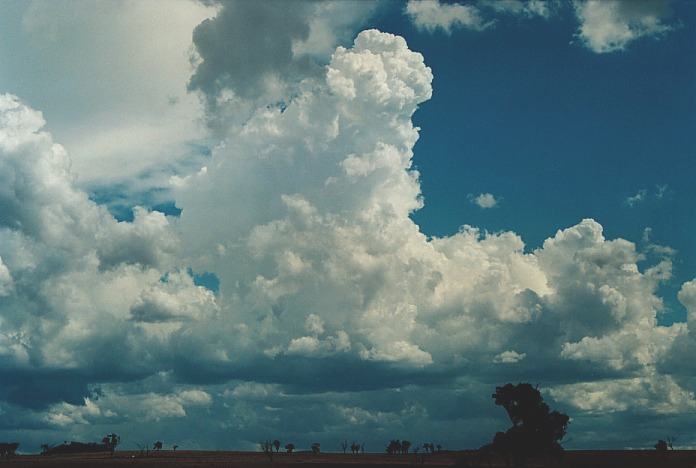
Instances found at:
x=574 y=459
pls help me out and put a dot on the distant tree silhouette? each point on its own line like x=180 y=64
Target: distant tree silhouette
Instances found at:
x=344 y=446
x=111 y=441
x=663 y=446
x=535 y=429
x=354 y=447
x=267 y=448
x=439 y=447
x=8 y=449
x=276 y=444
x=316 y=448
x=289 y=448
x=362 y=447
x=174 y=447
x=157 y=446
x=405 y=446
x=394 y=447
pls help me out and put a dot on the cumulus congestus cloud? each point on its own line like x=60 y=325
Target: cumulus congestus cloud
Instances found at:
x=330 y=299
x=70 y=272
x=252 y=54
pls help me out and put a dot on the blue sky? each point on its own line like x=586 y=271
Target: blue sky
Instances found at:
x=560 y=133
x=319 y=221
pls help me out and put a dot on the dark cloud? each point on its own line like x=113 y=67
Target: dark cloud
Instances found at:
x=250 y=42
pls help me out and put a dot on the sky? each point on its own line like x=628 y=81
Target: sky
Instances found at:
x=226 y=222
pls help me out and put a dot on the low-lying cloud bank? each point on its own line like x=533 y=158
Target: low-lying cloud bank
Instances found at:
x=335 y=317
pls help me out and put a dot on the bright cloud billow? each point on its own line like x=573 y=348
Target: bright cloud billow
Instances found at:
x=432 y=15
x=610 y=26
x=334 y=309
x=485 y=200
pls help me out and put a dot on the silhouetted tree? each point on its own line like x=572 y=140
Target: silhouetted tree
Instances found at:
x=344 y=446
x=174 y=447
x=405 y=445
x=8 y=449
x=354 y=448
x=276 y=444
x=157 y=446
x=663 y=446
x=267 y=448
x=394 y=447
x=439 y=447
x=289 y=448
x=362 y=447
x=535 y=429
x=111 y=441
x=316 y=448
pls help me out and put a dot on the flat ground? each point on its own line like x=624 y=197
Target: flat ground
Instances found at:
x=182 y=458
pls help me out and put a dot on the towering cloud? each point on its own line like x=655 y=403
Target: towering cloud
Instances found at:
x=241 y=65
x=330 y=296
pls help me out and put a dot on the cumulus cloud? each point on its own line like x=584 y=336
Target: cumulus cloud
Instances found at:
x=239 y=65
x=174 y=299
x=509 y=357
x=71 y=272
x=303 y=214
x=485 y=200
x=660 y=394
x=332 y=249
x=529 y=8
x=642 y=195
x=136 y=407
x=610 y=26
x=5 y=279
x=432 y=15
x=111 y=77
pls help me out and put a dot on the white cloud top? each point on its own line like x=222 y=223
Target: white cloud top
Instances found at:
x=432 y=15
x=485 y=200
x=611 y=25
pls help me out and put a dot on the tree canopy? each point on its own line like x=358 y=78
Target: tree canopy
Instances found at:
x=536 y=430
